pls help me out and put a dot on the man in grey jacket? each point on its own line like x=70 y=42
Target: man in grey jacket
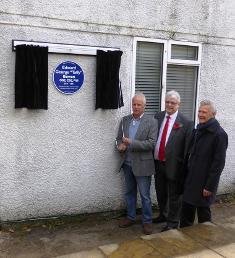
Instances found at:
x=135 y=141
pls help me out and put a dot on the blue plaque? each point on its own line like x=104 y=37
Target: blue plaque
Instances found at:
x=68 y=77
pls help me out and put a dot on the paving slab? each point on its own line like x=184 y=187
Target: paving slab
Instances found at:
x=203 y=240
x=174 y=243
x=202 y=254
x=135 y=248
x=228 y=223
x=213 y=237
x=95 y=253
x=108 y=249
x=189 y=242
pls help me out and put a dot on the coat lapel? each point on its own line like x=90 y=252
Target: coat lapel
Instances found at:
x=160 y=120
x=141 y=127
x=126 y=126
x=173 y=131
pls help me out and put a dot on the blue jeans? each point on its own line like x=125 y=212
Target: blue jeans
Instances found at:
x=143 y=183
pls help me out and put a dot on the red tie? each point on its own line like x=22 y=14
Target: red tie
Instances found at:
x=161 y=152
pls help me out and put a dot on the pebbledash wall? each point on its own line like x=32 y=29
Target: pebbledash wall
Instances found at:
x=63 y=160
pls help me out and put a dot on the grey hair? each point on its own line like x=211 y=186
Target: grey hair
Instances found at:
x=140 y=94
x=209 y=103
x=173 y=93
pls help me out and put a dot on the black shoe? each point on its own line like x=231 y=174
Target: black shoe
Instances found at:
x=159 y=219
x=166 y=228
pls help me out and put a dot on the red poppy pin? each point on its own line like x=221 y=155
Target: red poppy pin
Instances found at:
x=177 y=125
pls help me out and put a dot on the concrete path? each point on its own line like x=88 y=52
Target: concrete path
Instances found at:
x=98 y=236
x=205 y=240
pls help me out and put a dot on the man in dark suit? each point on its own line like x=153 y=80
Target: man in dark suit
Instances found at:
x=205 y=163
x=174 y=131
x=135 y=141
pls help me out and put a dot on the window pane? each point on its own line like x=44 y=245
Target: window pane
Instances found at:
x=184 y=80
x=148 y=74
x=184 y=52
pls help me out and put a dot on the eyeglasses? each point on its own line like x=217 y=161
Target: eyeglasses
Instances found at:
x=171 y=103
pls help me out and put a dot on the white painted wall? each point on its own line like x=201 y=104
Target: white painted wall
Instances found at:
x=63 y=161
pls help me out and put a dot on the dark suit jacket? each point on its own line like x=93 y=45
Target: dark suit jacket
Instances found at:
x=176 y=146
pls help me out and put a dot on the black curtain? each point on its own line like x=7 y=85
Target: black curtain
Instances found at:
x=108 y=86
x=31 y=77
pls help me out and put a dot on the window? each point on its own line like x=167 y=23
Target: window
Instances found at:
x=184 y=52
x=161 y=66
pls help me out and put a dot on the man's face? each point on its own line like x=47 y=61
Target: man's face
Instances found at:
x=138 y=106
x=171 y=105
x=204 y=114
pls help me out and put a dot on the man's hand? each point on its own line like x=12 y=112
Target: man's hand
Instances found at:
x=206 y=193
x=122 y=147
x=126 y=141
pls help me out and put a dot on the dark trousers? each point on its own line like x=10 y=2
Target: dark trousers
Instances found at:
x=169 y=201
x=188 y=214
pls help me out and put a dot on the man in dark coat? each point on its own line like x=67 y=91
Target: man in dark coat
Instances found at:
x=205 y=162
x=174 y=134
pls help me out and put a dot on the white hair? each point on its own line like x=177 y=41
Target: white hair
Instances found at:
x=209 y=103
x=140 y=94
x=173 y=93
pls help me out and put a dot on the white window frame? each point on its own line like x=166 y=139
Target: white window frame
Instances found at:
x=182 y=61
x=168 y=60
x=164 y=64
x=61 y=48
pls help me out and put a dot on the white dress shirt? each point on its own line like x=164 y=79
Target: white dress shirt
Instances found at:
x=170 y=126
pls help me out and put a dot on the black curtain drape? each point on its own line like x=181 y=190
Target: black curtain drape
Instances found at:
x=31 y=77
x=108 y=86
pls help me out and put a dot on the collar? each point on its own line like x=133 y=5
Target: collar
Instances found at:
x=138 y=118
x=173 y=116
x=211 y=125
